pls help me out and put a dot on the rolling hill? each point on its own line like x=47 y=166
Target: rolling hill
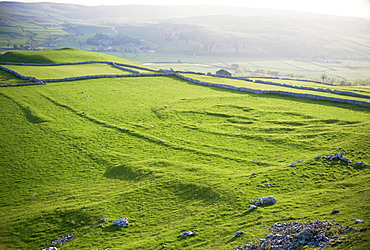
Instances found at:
x=172 y=156
x=192 y=30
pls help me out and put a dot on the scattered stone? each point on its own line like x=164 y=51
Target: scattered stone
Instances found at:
x=251 y=207
x=62 y=240
x=123 y=222
x=188 y=233
x=318 y=157
x=294 y=163
x=265 y=185
x=337 y=156
x=360 y=163
x=264 y=200
x=314 y=234
x=103 y=219
x=238 y=233
x=122 y=129
x=163 y=141
x=50 y=248
x=335 y=211
x=346 y=160
x=359 y=221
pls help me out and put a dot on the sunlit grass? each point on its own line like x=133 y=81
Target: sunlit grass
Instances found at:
x=66 y=163
x=64 y=71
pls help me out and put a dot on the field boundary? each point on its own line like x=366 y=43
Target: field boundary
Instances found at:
x=162 y=72
x=258 y=91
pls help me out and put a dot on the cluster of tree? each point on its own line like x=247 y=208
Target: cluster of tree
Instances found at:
x=268 y=72
x=345 y=82
x=15 y=46
x=104 y=40
x=356 y=82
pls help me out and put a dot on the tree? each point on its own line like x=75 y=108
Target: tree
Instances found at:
x=235 y=66
x=323 y=77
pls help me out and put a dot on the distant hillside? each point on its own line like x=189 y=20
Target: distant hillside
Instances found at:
x=200 y=30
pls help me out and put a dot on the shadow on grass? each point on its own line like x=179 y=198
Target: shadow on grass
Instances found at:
x=126 y=172
x=29 y=114
x=21 y=56
x=192 y=191
x=111 y=228
x=233 y=239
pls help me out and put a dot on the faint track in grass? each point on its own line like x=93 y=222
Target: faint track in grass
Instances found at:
x=140 y=135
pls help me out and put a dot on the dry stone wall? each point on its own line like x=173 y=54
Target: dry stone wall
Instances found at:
x=178 y=74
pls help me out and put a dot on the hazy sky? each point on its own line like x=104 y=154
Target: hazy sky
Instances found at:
x=334 y=7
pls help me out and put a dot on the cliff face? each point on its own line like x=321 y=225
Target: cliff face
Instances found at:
x=294 y=36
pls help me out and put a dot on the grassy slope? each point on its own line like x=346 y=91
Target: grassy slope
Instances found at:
x=202 y=174
x=60 y=56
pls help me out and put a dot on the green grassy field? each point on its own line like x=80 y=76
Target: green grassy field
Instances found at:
x=66 y=163
x=261 y=86
x=64 y=71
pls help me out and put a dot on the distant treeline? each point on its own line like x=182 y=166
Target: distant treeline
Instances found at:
x=356 y=82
